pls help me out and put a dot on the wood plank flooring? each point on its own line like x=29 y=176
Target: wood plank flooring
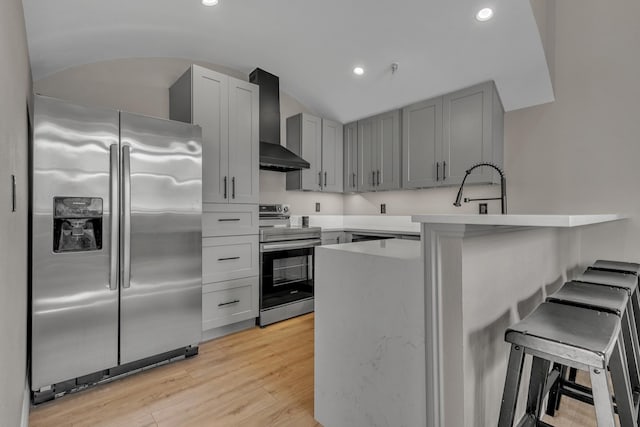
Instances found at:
x=259 y=377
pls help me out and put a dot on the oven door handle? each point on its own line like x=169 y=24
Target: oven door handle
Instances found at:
x=299 y=244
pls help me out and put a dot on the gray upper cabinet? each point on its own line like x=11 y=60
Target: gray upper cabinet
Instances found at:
x=472 y=133
x=379 y=152
x=243 y=141
x=319 y=142
x=367 y=136
x=227 y=111
x=445 y=136
x=421 y=143
x=332 y=147
x=351 y=157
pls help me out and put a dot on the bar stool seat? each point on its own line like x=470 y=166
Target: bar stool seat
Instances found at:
x=576 y=337
x=593 y=296
x=620 y=266
x=611 y=278
x=576 y=334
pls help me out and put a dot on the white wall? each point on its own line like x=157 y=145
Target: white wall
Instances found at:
x=15 y=85
x=580 y=153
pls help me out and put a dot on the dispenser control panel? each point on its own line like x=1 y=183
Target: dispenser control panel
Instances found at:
x=77 y=224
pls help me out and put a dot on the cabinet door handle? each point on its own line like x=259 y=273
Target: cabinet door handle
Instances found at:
x=233 y=187
x=325 y=178
x=228 y=219
x=378 y=178
x=444 y=170
x=373 y=178
x=437 y=171
x=222 y=304
x=354 y=180
x=231 y=258
x=320 y=179
x=225 y=187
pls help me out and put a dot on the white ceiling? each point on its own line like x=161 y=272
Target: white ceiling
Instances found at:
x=311 y=45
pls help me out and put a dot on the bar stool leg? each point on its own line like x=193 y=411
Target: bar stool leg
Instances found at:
x=602 y=397
x=511 y=386
x=630 y=342
x=553 y=403
x=539 y=373
x=621 y=386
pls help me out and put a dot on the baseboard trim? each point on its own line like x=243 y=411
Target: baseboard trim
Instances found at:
x=221 y=331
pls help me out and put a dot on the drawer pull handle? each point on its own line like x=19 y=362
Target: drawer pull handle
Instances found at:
x=229 y=258
x=222 y=304
x=228 y=219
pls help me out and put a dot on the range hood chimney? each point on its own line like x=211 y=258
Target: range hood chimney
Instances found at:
x=273 y=156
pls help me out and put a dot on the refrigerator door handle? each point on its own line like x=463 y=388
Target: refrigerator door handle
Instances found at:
x=126 y=217
x=114 y=213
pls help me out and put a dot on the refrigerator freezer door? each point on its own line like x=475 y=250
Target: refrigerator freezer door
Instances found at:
x=74 y=308
x=161 y=303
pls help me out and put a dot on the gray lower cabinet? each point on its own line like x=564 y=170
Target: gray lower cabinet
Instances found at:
x=333 y=237
x=351 y=157
x=229 y=302
x=378 y=149
x=445 y=136
x=226 y=109
x=230 y=268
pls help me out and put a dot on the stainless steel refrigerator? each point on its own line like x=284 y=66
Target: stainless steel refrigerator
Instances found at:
x=116 y=243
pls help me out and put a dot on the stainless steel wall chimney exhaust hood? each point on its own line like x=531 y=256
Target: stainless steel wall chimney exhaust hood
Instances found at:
x=273 y=156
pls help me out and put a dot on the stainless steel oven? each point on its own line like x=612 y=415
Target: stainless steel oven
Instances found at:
x=286 y=268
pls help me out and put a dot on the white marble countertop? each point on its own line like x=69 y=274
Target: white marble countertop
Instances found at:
x=389 y=248
x=518 y=220
x=395 y=224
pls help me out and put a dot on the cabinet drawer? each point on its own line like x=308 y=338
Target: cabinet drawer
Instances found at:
x=227 y=258
x=229 y=220
x=229 y=302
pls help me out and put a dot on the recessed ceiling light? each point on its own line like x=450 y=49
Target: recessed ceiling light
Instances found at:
x=209 y=2
x=484 y=14
x=358 y=71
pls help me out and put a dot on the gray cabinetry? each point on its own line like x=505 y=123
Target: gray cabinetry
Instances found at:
x=332 y=147
x=351 y=157
x=422 y=144
x=319 y=142
x=379 y=152
x=472 y=133
x=227 y=111
x=445 y=136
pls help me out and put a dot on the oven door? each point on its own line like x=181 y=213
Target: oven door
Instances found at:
x=286 y=272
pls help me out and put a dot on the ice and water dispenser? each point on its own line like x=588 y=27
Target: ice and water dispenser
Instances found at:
x=77 y=224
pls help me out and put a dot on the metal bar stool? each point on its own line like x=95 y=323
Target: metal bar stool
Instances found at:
x=576 y=337
x=598 y=297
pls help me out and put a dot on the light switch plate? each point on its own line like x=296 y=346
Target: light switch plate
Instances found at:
x=483 y=209
x=383 y=208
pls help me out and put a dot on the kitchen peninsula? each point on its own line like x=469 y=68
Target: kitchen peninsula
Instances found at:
x=400 y=323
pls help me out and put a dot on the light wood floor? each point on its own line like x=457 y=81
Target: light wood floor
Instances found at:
x=259 y=377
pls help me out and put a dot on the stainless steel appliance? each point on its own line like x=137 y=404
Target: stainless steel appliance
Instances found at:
x=116 y=244
x=286 y=265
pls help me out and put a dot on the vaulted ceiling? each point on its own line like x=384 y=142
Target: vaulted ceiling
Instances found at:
x=311 y=45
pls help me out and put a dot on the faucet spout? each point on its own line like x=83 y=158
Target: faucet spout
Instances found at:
x=503 y=186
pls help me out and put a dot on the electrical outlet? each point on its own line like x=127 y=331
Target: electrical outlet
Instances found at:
x=483 y=209
x=383 y=208
x=317 y=207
